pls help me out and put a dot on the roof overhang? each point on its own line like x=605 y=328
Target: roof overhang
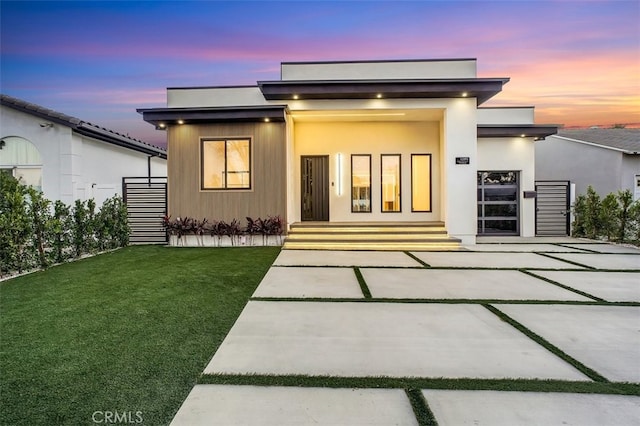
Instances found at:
x=481 y=88
x=163 y=117
x=537 y=131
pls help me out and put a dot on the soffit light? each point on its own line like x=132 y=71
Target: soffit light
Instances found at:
x=296 y=97
x=180 y=121
x=266 y=120
x=379 y=95
x=465 y=94
x=162 y=125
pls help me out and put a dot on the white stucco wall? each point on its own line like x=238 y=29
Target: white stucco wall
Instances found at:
x=51 y=142
x=459 y=136
x=513 y=154
x=375 y=138
x=72 y=163
x=506 y=115
x=215 y=97
x=417 y=69
x=100 y=167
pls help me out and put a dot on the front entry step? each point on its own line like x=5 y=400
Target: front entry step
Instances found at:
x=398 y=236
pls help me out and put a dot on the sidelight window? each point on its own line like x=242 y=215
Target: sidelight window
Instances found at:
x=390 y=187
x=361 y=183
x=420 y=182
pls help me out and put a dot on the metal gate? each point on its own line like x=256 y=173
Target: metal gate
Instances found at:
x=552 y=207
x=146 y=200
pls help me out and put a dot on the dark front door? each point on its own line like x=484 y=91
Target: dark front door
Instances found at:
x=315 y=187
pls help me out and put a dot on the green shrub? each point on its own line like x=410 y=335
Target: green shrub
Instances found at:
x=625 y=200
x=615 y=218
x=37 y=233
x=608 y=216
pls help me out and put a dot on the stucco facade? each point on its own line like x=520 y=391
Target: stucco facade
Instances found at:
x=73 y=164
x=606 y=159
x=398 y=116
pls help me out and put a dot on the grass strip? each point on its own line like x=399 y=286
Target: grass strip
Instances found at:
x=420 y=408
x=592 y=374
x=565 y=260
x=417 y=259
x=363 y=284
x=566 y=287
x=520 y=385
x=583 y=250
x=445 y=301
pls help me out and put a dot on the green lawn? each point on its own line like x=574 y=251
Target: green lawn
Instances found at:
x=128 y=331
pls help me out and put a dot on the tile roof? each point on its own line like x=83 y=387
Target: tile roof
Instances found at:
x=83 y=127
x=627 y=140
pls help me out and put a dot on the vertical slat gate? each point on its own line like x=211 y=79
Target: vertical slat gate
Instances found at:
x=146 y=200
x=552 y=208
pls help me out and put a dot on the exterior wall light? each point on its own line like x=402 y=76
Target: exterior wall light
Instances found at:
x=339 y=174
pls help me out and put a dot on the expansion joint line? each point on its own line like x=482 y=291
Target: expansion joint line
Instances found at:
x=592 y=374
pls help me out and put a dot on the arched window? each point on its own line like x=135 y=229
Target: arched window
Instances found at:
x=21 y=158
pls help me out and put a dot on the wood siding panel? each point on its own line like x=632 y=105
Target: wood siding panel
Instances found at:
x=269 y=186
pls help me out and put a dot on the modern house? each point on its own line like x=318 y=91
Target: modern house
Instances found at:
x=67 y=158
x=606 y=159
x=355 y=144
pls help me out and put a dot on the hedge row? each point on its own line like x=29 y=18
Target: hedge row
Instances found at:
x=615 y=217
x=36 y=233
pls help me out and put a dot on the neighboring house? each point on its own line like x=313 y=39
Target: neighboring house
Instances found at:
x=606 y=159
x=68 y=158
x=371 y=141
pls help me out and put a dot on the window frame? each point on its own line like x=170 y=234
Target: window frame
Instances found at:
x=430 y=185
x=399 y=156
x=226 y=140
x=370 y=184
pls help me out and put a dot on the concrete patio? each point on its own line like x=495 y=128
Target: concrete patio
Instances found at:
x=405 y=320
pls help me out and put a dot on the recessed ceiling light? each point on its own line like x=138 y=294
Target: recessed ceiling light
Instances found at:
x=522 y=135
x=296 y=97
x=465 y=94
x=162 y=125
x=266 y=120
x=379 y=95
x=180 y=121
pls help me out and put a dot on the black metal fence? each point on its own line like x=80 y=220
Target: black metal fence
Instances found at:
x=552 y=208
x=146 y=199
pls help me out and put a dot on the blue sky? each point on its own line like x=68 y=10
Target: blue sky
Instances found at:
x=577 y=61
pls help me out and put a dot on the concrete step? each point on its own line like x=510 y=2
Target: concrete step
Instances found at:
x=370 y=236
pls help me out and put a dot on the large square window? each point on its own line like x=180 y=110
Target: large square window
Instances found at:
x=226 y=164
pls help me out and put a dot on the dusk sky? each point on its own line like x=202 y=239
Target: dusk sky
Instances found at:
x=578 y=62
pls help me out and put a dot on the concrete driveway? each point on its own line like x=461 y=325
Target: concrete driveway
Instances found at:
x=508 y=314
